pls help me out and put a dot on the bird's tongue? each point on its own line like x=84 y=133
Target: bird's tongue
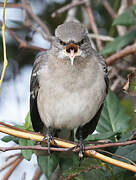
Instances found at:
x=72 y=56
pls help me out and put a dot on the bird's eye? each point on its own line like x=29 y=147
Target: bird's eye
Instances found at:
x=62 y=43
x=81 y=42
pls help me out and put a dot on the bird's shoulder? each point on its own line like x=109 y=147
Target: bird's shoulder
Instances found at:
x=41 y=60
x=103 y=64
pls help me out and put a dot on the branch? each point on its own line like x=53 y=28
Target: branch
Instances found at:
x=73 y=176
x=92 y=22
x=12 y=5
x=101 y=37
x=108 y=8
x=36 y=147
x=37 y=174
x=46 y=33
x=92 y=147
x=22 y=43
x=64 y=144
x=112 y=154
x=111 y=145
x=12 y=168
x=29 y=10
x=8 y=163
x=67 y=7
x=5 y=63
x=123 y=6
x=124 y=52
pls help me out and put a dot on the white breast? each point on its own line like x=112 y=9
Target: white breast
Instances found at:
x=61 y=106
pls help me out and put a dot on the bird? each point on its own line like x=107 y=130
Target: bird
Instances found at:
x=68 y=86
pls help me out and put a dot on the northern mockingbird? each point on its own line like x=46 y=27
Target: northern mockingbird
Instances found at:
x=68 y=84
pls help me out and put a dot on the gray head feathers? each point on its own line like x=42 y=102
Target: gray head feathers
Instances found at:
x=71 y=31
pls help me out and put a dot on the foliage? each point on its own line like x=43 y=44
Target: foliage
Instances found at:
x=112 y=115
x=23 y=142
x=48 y=164
x=119 y=42
x=126 y=18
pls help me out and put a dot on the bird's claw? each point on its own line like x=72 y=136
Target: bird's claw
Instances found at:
x=50 y=139
x=81 y=147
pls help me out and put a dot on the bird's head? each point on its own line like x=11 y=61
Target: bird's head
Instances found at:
x=71 y=39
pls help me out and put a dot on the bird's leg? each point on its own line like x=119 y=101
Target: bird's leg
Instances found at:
x=49 y=137
x=80 y=144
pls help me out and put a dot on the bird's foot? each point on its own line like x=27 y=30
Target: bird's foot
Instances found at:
x=81 y=147
x=49 y=138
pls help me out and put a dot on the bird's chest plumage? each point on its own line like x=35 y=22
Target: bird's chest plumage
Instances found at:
x=70 y=97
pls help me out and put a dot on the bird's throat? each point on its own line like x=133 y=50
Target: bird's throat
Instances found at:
x=72 y=56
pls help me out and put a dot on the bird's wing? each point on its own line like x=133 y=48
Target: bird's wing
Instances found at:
x=34 y=88
x=89 y=128
x=104 y=65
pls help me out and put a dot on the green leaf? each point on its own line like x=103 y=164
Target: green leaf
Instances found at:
x=85 y=165
x=126 y=18
x=102 y=136
x=66 y=163
x=125 y=151
x=128 y=105
x=97 y=174
x=48 y=164
x=10 y=138
x=113 y=118
x=26 y=153
x=28 y=123
x=119 y=43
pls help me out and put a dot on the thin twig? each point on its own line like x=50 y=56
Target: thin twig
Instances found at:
x=92 y=22
x=108 y=8
x=37 y=174
x=5 y=63
x=124 y=52
x=8 y=163
x=92 y=147
x=101 y=37
x=12 y=155
x=27 y=22
x=12 y=5
x=29 y=10
x=132 y=136
x=37 y=147
x=22 y=43
x=12 y=168
x=123 y=6
x=67 y=7
x=78 y=173
x=111 y=145
x=116 y=155
x=115 y=84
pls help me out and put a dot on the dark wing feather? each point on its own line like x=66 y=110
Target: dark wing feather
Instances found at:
x=88 y=128
x=34 y=88
x=104 y=65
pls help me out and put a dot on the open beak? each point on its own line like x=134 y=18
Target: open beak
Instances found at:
x=72 y=51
